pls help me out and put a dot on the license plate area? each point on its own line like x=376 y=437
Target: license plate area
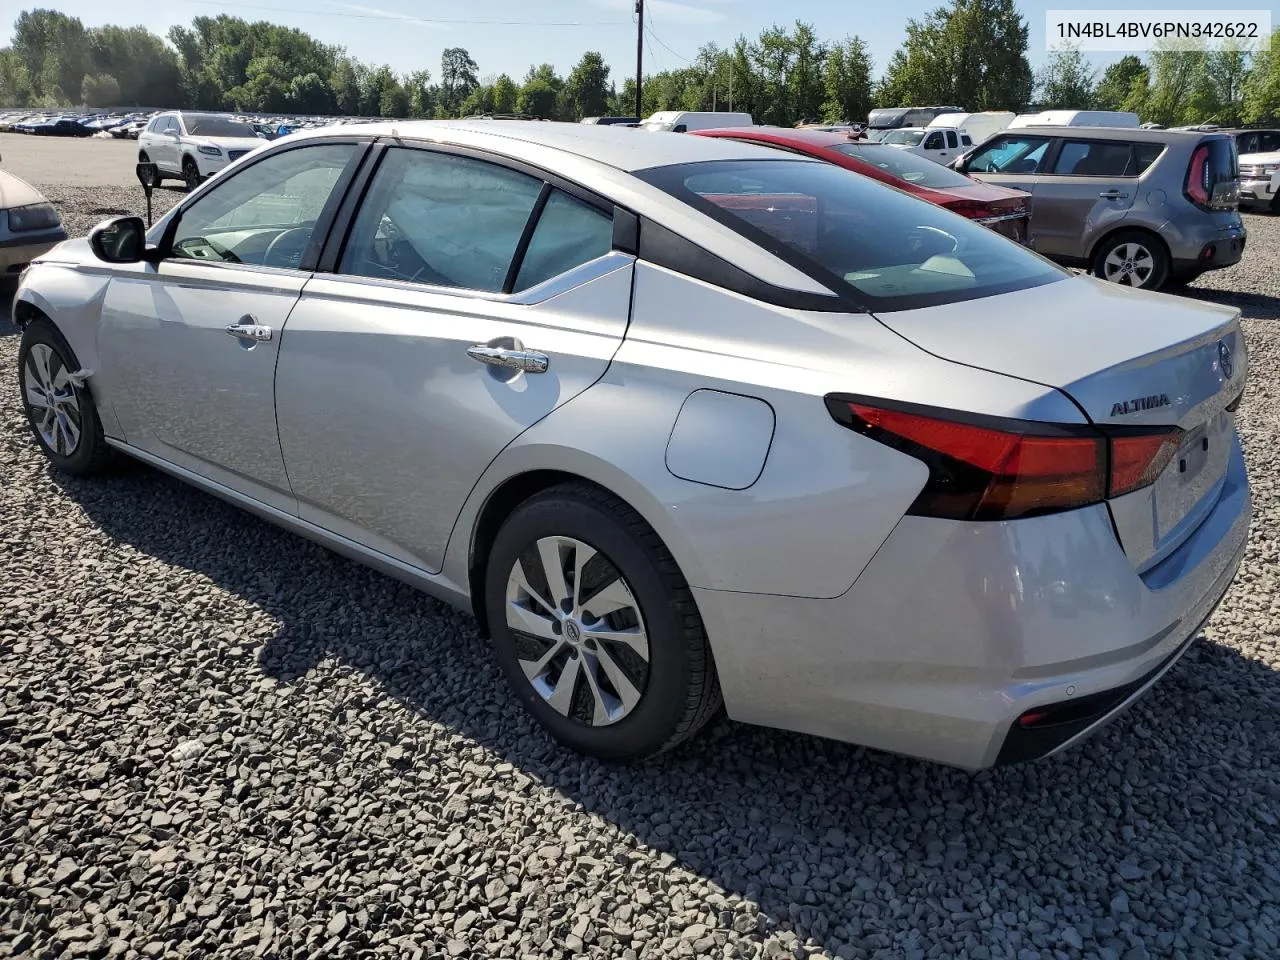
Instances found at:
x=1193 y=473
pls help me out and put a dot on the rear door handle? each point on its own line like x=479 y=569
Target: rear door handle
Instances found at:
x=509 y=358
x=1113 y=195
x=249 y=329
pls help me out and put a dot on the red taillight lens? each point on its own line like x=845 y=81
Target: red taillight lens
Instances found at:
x=1137 y=459
x=967 y=208
x=985 y=468
x=1197 y=188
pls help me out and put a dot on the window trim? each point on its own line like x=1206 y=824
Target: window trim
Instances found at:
x=1050 y=157
x=343 y=226
x=324 y=222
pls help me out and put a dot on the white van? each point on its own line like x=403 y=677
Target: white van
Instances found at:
x=681 y=121
x=1077 y=118
x=950 y=134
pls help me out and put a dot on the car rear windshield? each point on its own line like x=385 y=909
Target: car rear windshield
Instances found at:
x=911 y=167
x=199 y=126
x=884 y=249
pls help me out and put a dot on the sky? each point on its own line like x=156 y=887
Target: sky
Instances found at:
x=508 y=36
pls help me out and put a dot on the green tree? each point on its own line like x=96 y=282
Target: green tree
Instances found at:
x=54 y=48
x=587 y=88
x=310 y=94
x=505 y=93
x=1261 y=88
x=971 y=54
x=345 y=84
x=100 y=90
x=1117 y=83
x=847 y=81
x=1177 y=75
x=15 y=85
x=537 y=98
x=1066 y=82
x=457 y=79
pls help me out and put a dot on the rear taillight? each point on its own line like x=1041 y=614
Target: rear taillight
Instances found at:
x=986 y=468
x=1197 y=188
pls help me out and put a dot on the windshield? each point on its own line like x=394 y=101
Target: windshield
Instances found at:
x=908 y=138
x=910 y=167
x=883 y=248
x=207 y=126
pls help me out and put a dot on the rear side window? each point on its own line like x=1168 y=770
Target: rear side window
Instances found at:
x=1144 y=155
x=878 y=246
x=1009 y=154
x=1093 y=158
x=438 y=219
x=951 y=139
x=569 y=233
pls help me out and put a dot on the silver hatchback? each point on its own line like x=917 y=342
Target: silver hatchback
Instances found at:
x=1146 y=208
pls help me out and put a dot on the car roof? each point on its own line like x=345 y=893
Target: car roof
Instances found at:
x=624 y=148
x=1132 y=134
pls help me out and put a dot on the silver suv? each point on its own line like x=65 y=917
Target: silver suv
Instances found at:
x=1147 y=208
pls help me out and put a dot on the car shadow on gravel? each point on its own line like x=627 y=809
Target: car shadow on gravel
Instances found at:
x=1254 y=306
x=1166 y=817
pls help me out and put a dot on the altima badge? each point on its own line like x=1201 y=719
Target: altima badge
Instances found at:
x=1224 y=359
x=1140 y=403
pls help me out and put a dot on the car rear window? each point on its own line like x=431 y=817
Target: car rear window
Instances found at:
x=202 y=126
x=911 y=167
x=882 y=248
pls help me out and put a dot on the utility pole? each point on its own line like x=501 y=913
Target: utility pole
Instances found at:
x=639 y=57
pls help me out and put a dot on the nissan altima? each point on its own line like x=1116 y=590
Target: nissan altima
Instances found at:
x=684 y=422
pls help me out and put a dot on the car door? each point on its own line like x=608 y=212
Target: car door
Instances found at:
x=469 y=301
x=167 y=148
x=934 y=146
x=1086 y=187
x=190 y=343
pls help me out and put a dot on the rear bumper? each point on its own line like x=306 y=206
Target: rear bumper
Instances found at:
x=1214 y=255
x=955 y=630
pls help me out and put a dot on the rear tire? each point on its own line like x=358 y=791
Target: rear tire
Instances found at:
x=61 y=413
x=1132 y=258
x=628 y=680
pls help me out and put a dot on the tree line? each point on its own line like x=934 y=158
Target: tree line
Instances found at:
x=970 y=53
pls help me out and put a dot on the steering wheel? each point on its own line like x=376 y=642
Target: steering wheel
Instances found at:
x=291 y=257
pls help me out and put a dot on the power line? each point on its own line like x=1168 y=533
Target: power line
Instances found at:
x=658 y=40
x=397 y=18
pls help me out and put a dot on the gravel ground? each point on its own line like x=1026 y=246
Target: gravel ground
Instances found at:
x=216 y=738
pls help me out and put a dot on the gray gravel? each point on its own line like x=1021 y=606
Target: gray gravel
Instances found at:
x=216 y=738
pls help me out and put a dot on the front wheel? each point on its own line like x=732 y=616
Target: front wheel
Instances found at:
x=57 y=402
x=595 y=628
x=1132 y=258
x=190 y=174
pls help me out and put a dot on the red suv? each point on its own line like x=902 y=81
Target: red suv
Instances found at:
x=1004 y=210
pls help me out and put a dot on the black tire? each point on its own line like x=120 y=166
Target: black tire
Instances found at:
x=680 y=691
x=90 y=454
x=158 y=178
x=190 y=173
x=1151 y=266
x=1274 y=206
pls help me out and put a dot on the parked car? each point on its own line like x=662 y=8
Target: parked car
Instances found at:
x=1256 y=141
x=940 y=146
x=678 y=418
x=613 y=121
x=193 y=146
x=1003 y=210
x=1143 y=208
x=29 y=226
x=1260 y=180
x=682 y=121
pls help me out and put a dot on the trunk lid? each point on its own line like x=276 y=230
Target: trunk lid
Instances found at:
x=1127 y=358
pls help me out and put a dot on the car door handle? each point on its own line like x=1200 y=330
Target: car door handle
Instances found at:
x=247 y=329
x=1113 y=195
x=526 y=361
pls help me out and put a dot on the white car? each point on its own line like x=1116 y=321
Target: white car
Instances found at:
x=194 y=146
x=1260 y=180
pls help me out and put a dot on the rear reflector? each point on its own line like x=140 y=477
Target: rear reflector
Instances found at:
x=986 y=468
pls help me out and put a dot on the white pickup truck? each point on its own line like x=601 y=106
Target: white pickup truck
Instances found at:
x=1260 y=180
x=950 y=134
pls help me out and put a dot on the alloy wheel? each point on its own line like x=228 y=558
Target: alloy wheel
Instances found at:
x=51 y=395
x=579 y=636
x=1129 y=263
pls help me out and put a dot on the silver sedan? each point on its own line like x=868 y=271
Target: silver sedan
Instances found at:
x=682 y=421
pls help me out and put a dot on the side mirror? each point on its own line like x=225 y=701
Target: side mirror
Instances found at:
x=123 y=240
